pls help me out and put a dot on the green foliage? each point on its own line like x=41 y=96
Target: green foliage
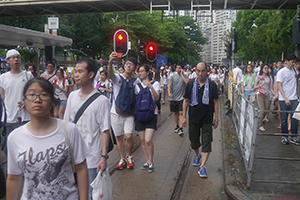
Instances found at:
x=93 y=33
x=264 y=35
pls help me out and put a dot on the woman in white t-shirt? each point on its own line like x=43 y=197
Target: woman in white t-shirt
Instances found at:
x=165 y=79
x=214 y=76
x=147 y=128
x=103 y=85
x=61 y=88
x=41 y=151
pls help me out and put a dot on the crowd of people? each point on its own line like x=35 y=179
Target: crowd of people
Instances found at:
x=275 y=85
x=56 y=127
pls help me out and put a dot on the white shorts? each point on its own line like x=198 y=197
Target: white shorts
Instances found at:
x=122 y=124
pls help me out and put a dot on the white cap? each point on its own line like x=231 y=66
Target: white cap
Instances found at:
x=11 y=53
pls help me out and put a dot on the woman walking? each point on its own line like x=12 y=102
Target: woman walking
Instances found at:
x=61 y=89
x=147 y=128
x=43 y=152
x=248 y=83
x=263 y=84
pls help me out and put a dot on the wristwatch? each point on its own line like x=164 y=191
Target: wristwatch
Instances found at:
x=216 y=120
x=105 y=156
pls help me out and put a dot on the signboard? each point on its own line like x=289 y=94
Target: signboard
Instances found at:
x=53 y=23
x=161 y=60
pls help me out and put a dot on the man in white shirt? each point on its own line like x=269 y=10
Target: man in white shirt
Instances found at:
x=11 y=87
x=122 y=125
x=288 y=100
x=237 y=76
x=50 y=73
x=94 y=123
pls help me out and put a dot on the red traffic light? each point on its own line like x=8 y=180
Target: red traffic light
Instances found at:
x=151 y=52
x=121 y=42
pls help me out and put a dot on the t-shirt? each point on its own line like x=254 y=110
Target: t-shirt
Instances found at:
x=165 y=79
x=13 y=88
x=249 y=85
x=193 y=76
x=266 y=87
x=106 y=85
x=237 y=75
x=256 y=71
x=116 y=89
x=94 y=120
x=201 y=114
x=289 y=83
x=46 y=76
x=45 y=161
x=61 y=94
x=156 y=87
x=214 y=77
x=96 y=79
x=178 y=87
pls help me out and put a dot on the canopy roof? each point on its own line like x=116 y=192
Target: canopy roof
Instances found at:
x=15 y=36
x=15 y=8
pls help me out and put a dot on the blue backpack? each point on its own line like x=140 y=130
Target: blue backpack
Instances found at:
x=144 y=106
x=126 y=98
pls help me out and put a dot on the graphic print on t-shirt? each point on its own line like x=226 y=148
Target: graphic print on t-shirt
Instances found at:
x=47 y=172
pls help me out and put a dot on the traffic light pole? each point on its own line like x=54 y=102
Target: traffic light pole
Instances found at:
x=138 y=56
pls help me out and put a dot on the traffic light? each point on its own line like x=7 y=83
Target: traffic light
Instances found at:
x=234 y=44
x=121 y=42
x=228 y=49
x=141 y=50
x=151 y=52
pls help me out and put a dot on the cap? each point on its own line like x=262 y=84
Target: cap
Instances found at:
x=12 y=52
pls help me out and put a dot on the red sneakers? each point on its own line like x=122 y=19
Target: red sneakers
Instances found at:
x=121 y=164
x=130 y=162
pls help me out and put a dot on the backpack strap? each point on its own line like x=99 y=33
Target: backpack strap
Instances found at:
x=140 y=86
x=85 y=105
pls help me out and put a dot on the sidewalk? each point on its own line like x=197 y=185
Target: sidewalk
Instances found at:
x=271 y=170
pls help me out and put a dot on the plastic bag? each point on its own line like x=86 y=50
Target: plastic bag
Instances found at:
x=102 y=186
x=297 y=115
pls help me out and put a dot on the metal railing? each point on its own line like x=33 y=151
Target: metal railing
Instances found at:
x=245 y=116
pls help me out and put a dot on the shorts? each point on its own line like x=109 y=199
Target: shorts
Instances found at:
x=56 y=102
x=206 y=136
x=122 y=124
x=165 y=86
x=249 y=93
x=176 y=106
x=141 y=126
x=63 y=103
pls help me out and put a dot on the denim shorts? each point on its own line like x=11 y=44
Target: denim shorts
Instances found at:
x=249 y=93
x=63 y=103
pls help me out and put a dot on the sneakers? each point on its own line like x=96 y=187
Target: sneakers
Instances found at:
x=197 y=160
x=130 y=162
x=176 y=129
x=180 y=132
x=202 y=171
x=163 y=102
x=121 y=164
x=295 y=140
x=285 y=140
x=145 y=166
x=151 y=168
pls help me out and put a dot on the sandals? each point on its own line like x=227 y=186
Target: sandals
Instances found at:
x=262 y=129
x=266 y=120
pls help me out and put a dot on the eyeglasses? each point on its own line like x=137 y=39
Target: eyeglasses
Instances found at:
x=33 y=97
x=141 y=71
x=15 y=57
x=128 y=63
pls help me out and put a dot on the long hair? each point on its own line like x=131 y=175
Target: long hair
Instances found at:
x=261 y=69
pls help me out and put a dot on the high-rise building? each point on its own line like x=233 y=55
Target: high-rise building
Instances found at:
x=216 y=29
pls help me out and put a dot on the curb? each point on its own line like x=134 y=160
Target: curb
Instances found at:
x=234 y=193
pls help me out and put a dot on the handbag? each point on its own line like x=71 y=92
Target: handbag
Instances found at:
x=262 y=91
x=297 y=115
x=83 y=108
x=71 y=151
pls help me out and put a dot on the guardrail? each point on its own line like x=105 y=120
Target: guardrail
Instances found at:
x=245 y=118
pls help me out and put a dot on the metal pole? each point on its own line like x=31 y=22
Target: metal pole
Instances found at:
x=138 y=57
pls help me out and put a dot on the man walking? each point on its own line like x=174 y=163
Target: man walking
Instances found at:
x=11 y=87
x=123 y=122
x=94 y=123
x=202 y=96
x=50 y=73
x=288 y=100
x=176 y=88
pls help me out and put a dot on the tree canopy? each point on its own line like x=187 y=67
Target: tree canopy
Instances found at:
x=264 y=35
x=93 y=33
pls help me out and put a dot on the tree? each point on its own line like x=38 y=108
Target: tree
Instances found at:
x=264 y=35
